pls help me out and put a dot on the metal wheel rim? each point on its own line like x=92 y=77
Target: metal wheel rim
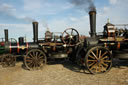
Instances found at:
x=98 y=60
x=35 y=59
x=8 y=60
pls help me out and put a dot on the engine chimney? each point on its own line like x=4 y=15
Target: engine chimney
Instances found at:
x=35 y=32
x=6 y=35
x=21 y=40
x=92 y=15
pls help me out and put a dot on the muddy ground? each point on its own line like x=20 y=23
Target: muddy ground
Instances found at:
x=63 y=73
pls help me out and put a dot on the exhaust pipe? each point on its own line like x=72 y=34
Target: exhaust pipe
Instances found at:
x=92 y=15
x=35 y=32
x=6 y=35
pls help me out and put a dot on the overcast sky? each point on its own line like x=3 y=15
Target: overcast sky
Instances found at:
x=17 y=15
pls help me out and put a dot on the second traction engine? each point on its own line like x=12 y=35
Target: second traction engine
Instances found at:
x=38 y=52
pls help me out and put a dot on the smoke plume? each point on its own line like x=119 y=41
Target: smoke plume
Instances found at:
x=44 y=23
x=87 y=5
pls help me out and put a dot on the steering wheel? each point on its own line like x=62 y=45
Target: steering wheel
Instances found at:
x=70 y=36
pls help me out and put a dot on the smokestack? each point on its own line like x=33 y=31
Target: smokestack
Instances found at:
x=6 y=35
x=21 y=40
x=92 y=15
x=35 y=32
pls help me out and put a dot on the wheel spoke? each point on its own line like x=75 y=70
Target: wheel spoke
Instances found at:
x=72 y=39
x=93 y=66
x=67 y=33
x=96 y=67
x=30 y=62
x=99 y=54
x=36 y=65
x=103 y=54
x=99 y=67
x=72 y=32
x=39 y=55
x=31 y=65
x=108 y=61
x=92 y=60
x=94 y=54
x=39 y=63
x=91 y=57
x=31 y=55
x=104 y=57
x=104 y=64
x=36 y=54
x=103 y=68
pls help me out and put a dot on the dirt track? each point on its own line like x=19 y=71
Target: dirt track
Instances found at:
x=63 y=73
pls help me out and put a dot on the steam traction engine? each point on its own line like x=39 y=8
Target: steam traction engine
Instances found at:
x=36 y=53
x=94 y=53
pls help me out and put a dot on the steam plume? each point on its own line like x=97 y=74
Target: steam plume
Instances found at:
x=45 y=24
x=87 y=5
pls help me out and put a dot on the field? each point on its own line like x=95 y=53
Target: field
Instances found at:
x=63 y=73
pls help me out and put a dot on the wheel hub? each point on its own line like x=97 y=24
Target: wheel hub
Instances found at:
x=71 y=36
x=99 y=61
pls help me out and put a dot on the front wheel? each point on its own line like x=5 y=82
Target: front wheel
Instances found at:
x=98 y=60
x=35 y=59
x=8 y=60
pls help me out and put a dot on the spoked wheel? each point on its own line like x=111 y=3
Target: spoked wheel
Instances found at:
x=80 y=55
x=35 y=59
x=8 y=60
x=98 y=60
x=70 y=36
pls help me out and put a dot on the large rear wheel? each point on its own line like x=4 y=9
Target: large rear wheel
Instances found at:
x=98 y=60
